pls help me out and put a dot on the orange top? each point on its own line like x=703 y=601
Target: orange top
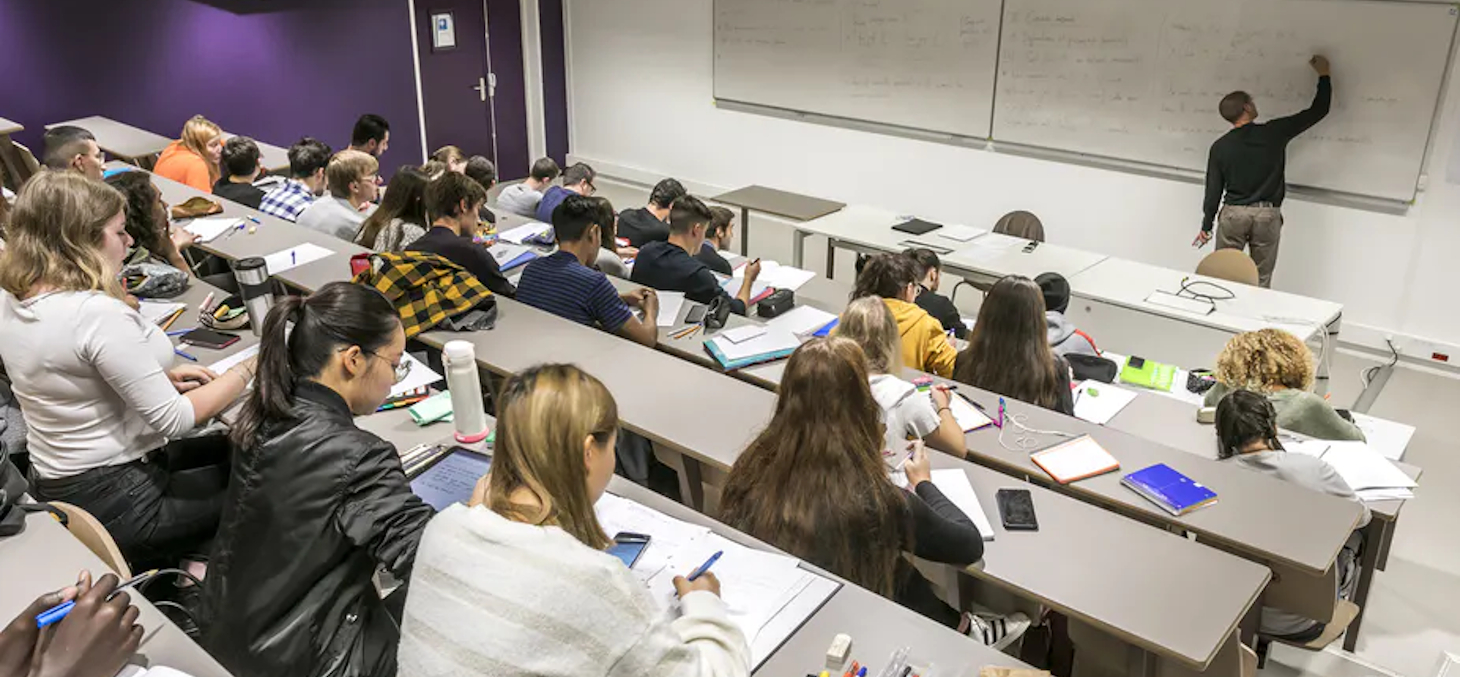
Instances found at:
x=181 y=164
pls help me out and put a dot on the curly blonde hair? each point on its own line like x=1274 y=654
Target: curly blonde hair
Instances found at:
x=1265 y=360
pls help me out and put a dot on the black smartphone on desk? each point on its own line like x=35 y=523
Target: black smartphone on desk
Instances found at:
x=628 y=546
x=206 y=338
x=1016 y=510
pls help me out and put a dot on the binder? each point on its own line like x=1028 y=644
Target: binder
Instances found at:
x=1172 y=491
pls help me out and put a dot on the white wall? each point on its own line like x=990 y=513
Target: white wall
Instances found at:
x=641 y=100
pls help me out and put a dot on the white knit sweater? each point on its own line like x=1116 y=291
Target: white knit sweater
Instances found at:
x=489 y=596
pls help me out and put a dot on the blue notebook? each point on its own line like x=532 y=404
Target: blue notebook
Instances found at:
x=729 y=363
x=1174 y=492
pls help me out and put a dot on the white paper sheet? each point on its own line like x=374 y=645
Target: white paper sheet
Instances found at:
x=1098 y=402
x=955 y=486
x=802 y=320
x=783 y=277
x=1360 y=466
x=732 y=286
x=960 y=233
x=521 y=233
x=1389 y=438
x=744 y=333
x=774 y=339
x=294 y=257
x=228 y=362
x=208 y=228
x=419 y=376
x=669 y=304
x=969 y=418
x=157 y=311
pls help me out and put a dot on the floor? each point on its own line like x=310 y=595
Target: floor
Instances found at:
x=1414 y=608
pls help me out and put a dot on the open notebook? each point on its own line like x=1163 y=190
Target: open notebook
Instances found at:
x=769 y=596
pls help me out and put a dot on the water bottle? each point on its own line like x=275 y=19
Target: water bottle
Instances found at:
x=253 y=285
x=464 y=381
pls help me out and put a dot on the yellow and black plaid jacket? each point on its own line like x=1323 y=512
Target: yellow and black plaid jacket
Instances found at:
x=425 y=288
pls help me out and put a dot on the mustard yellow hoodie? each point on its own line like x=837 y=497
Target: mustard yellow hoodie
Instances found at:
x=924 y=345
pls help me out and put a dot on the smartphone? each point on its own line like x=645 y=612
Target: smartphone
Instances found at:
x=206 y=338
x=696 y=314
x=1016 y=509
x=627 y=546
x=1029 y=248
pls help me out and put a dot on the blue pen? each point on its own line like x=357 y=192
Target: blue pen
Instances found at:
x=293 y=258
x=255 y=220
x=706 y=566
x=179 y=332
x=184 y=355
x=56 y=613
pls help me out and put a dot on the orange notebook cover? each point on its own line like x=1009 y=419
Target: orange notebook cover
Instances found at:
x=1076 y=460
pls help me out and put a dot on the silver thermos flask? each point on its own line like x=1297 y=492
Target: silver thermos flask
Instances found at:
x=253 y=285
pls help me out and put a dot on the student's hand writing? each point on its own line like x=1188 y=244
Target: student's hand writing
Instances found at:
x=941 y=397
x=181 y=238
x=1202 y=238
x=189 y=376
x=918 y=468
x=706 y=582
x=18 y=639
x=96 y=638
x=752 y=270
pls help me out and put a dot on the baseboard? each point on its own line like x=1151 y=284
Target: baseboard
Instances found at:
x=1430 y=355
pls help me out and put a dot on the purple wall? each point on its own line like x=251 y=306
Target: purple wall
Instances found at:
x=554 y=79
x=275 y=70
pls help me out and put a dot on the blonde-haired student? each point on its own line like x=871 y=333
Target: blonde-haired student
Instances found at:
x=518 y=582
x=907 y=413
x=193 y=158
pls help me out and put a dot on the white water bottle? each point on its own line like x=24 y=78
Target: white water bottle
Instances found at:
x=462 y=378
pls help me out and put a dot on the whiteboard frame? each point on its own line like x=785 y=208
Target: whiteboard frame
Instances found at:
x=1147 y=169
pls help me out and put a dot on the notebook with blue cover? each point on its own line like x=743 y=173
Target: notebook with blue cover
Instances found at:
x=730 y=363
x=1174 y=492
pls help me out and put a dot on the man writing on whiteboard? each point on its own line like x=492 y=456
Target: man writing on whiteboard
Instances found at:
x=1247 y=164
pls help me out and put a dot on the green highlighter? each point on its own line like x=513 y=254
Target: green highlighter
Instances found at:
x=1147 y=374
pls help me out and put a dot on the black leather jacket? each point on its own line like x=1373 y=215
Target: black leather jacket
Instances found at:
x=311 y=511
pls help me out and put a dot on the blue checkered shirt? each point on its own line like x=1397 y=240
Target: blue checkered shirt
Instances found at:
x=287 y=200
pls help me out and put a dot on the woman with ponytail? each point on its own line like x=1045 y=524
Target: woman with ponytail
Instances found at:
x=315 y=504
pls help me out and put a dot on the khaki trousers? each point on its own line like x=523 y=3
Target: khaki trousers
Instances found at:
x=1256 y=228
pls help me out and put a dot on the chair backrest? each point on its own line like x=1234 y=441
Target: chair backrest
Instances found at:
x=1232 y=265
x=95 y=537
x=1021 y=224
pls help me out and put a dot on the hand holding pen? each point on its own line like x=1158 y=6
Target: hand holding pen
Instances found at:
x=700 y=579
x=98 y=635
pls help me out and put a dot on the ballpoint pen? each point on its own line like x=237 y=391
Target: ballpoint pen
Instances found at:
x=56 y=613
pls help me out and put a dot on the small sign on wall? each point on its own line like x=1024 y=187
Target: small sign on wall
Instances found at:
x=443 y=31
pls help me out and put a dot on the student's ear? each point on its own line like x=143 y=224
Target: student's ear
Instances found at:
x=463 y=208
x=352 y=360
x=594 y=233
x=588 y=448
x=701 y=229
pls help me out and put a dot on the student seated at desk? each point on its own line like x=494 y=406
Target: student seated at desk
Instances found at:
x=353 y=179
x=316 y=504
x=153 y=237
x=1063 y=337
x=307 y=160
x=565 y=284
x=907 y=413
x=371 y=135
x=530 y=543
x=453 y=201
x=577 y=179
x=97 y=638
x=1008 y=352
x=193 y=158
x=813 y=483
x=1247 y=435
x=611 y=257
x=242 y=164
x=71 y=148
x=720 y=236
x=894 y=279
x=930 y=276
x=669 y=265
x=401 y=218
x=452 y=157
x=96 y=380
x=650 y=223
x=1278 y=365
x=482 y=171
x=522 y=198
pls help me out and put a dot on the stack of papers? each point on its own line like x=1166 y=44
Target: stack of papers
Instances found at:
x=803 y=320
x=669 y=305
x=956 y=488
x=156 y=311
x=961 y=233
x=773 y=344
x=1369 y=474
x=1098 y=402
x=775 y=275
x=521 y=234
x=768 y=595
x=208 y=228
x=294 y=257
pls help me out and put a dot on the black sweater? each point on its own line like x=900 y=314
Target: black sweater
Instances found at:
x=942 y=310
x=940 y=533
x=1249 y=162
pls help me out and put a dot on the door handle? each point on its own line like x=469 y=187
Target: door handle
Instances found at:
x=481 y=87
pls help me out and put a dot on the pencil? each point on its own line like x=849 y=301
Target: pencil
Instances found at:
x=167 y=324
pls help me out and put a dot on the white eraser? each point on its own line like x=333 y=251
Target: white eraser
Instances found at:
x=836 y=654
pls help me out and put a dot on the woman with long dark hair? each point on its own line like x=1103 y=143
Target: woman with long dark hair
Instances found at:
x=813 y=483
x=147 y=220
x=315 y=504
x=1008 y=351
x=401 y=218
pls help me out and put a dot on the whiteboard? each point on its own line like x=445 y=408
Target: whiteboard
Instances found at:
x=1140 y=80
x=921 y=64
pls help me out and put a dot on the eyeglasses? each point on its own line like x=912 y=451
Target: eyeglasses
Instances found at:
x=402 y=370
